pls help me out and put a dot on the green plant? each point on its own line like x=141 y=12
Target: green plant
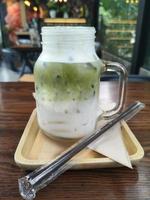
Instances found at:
x=52 y=5
x=106 y=15
x=37 y=2
x=64 y=9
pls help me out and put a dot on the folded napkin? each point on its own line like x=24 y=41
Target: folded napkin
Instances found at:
x=111 y=143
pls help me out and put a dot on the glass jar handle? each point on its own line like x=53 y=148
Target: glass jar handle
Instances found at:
x=122 y=73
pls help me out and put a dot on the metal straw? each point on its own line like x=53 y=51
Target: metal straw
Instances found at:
x=38 y=179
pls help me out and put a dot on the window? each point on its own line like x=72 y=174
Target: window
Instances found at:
x=117 y=19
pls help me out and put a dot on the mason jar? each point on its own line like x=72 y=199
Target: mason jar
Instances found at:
x=67 y=79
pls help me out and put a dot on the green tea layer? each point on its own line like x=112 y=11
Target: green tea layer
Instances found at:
x=64 y=81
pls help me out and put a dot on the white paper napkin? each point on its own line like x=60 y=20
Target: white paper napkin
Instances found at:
x=111 y=144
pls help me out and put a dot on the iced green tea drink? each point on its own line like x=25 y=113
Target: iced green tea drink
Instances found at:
x=67 y=78
x=67 y=97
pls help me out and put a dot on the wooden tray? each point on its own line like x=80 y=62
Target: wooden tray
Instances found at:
x=36 y=149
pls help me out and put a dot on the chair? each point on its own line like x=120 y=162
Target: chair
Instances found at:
x=12 y=59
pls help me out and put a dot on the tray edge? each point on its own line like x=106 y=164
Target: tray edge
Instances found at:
x=98 y=163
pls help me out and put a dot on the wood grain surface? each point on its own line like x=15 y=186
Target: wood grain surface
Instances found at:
x=16 y=105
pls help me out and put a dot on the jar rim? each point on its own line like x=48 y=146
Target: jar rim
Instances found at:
x=68 y=30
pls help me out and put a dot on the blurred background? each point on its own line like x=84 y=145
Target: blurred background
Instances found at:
x=122 y=32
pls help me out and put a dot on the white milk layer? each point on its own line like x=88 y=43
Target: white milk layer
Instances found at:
x=68 y=119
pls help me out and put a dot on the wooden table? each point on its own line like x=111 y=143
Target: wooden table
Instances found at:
x=16 y=105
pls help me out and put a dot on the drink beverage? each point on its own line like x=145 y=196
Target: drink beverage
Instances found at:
x=67 y=97
x=67 y=75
